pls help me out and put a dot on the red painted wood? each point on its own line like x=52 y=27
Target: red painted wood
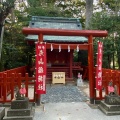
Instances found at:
x=26 y=83
x=12 y=85
x=40 y=37
x=56 y=58
x=4 y=87
x=10 y=81
x=91 y=69
x=119 y=82
x=64 y=32
x=19 y=80
x=65 y=46
x=71 y=61
x=6 y=80
x=107 y=76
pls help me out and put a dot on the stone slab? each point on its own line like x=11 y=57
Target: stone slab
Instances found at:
x=110 y=107
x=21 y=117
x=108 y=113
x=18 y=112
x=2 y=112
x=20 y=104
x=112 y=99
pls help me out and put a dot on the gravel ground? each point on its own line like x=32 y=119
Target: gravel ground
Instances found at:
x=63 y=93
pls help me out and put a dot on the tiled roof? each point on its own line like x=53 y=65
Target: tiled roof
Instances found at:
x=56 y=23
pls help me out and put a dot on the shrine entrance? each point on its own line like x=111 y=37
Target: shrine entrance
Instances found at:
x=89 y=46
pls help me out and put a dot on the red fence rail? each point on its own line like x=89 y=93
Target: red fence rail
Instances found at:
x=21 y=70
x=13 y=78
x=107 y=76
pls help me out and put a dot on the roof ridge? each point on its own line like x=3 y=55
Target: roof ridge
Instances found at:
x=39 y=18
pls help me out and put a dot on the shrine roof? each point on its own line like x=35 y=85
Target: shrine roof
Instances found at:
x=56 y=23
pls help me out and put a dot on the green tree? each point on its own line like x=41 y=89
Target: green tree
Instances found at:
x=14 y=47
x=104 y=21
x=43 y=8
x=5 y=10
x=113 y=5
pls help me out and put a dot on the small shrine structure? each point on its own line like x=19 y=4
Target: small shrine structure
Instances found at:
x=60 y=49
x=62 y=37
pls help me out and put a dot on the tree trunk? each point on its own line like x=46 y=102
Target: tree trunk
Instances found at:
x=113 y=54
x=113 y=62
x=89 y=12
x=0 y=29
x=109 y=62
x=1 y=39
x=12 y=15
x=1 y=26
x=118 y=56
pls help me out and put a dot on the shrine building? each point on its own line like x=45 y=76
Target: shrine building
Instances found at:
x=60 y=49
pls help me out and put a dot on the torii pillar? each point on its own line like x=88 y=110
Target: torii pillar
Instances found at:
x=62 y=32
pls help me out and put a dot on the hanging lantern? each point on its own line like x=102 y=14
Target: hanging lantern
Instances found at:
x=68 y=48
x=59 y=48
x=51 y=47
x=77 y=48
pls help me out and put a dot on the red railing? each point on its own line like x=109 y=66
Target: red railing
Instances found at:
x=21 y=70
x=13 y=78
x=107 y=76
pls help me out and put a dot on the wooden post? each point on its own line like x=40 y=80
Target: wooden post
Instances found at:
x=119 y=82
x=91 y=69
x=4 y=87
x=71 y=60
x=19 y=80
x=26 y=83
x=12 y=85
x=40 y=39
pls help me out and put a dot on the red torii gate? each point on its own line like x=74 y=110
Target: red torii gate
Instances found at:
x=62 y=32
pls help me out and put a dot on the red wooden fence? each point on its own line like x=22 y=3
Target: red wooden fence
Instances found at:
x=107 y=76
x=10 y=79
x=13 y=78
x=21 y=70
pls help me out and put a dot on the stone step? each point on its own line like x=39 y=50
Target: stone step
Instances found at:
x=20 y=117
x=110 y=107
x=20 y=104
x=2 y=112
x=19 y=112
x=109 y=113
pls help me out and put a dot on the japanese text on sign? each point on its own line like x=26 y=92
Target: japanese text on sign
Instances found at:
x=99 y=67
x=40 y=68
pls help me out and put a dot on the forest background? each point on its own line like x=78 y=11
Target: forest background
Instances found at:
x=96 y=15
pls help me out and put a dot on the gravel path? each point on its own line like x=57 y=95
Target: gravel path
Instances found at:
x=63 y=93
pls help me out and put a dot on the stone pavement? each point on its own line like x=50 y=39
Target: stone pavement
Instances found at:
x=71 y=107
x=70 y=111
x=67 y=110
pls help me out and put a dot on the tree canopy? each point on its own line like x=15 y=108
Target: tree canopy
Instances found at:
x=5 y=9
